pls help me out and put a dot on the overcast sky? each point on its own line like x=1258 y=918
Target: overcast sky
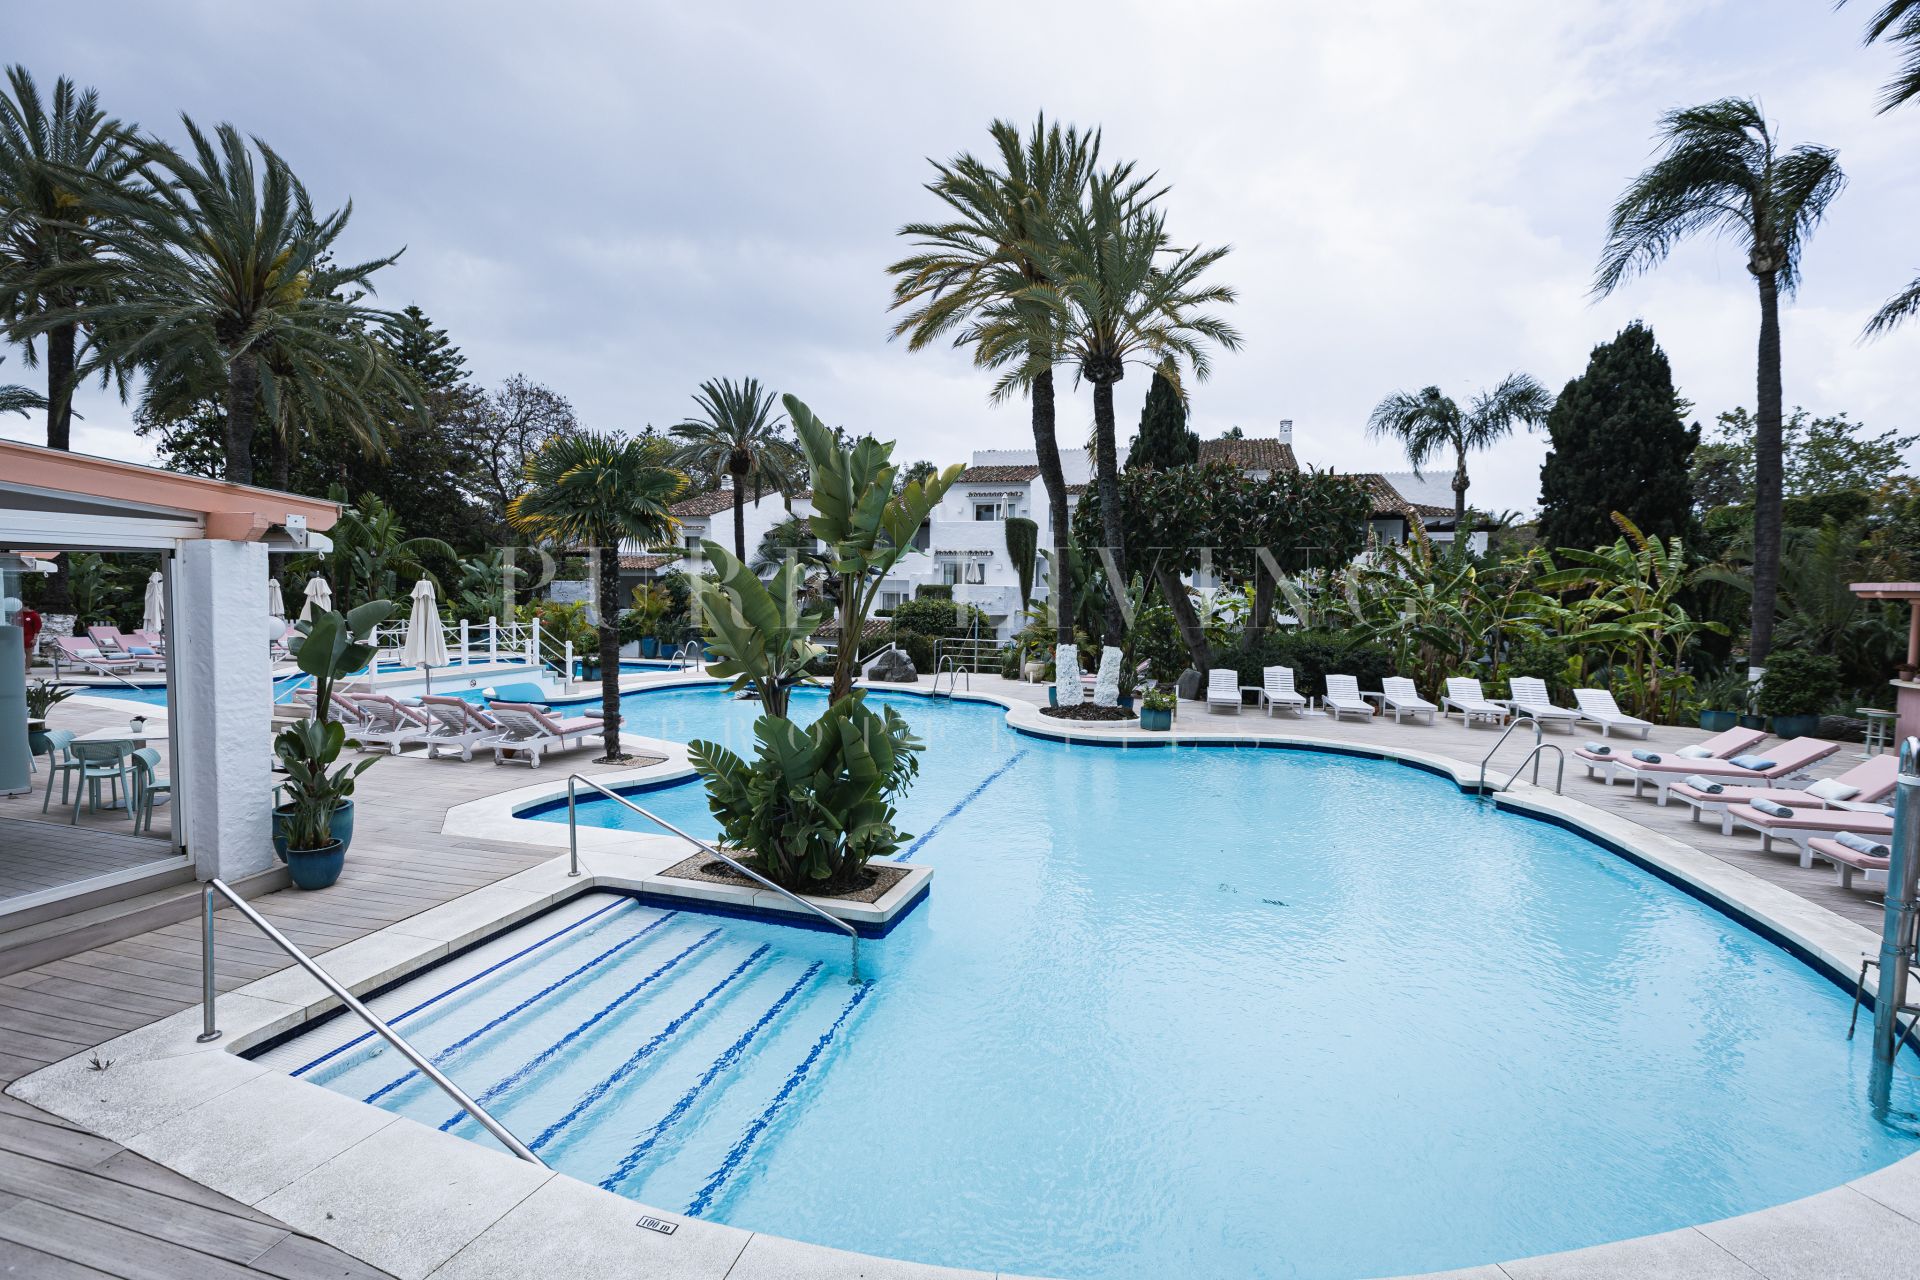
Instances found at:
x=620 y=200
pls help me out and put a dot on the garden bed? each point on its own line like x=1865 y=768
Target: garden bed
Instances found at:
x=706 y=869
x=1088 y=711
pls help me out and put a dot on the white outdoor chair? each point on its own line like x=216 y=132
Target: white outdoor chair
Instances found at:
x=1278 y=692
x=1465 y=697
x=1343 y=698
x=1530 y=697
x=1398 y=695
x=1223 y=690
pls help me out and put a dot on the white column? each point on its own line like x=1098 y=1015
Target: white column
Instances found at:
x=221 y=681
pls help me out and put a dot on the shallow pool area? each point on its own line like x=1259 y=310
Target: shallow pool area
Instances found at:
x=1182 y=1011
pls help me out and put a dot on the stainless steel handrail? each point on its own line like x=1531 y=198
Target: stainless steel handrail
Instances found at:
x=950 y=665
x=210 y=1032
x=573 y=851
x=1560 y=774
x=1518 y=719
x=689 y=654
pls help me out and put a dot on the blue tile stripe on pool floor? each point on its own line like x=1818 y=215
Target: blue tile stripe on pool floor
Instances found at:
x=965 y=800
x=547 y=1054
x=446 y=1054
x=726 y=1059
x=433 y=1000
x=765 y=1118
x=644 y=1052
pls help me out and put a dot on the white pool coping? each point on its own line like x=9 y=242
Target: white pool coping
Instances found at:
x=418 y=1203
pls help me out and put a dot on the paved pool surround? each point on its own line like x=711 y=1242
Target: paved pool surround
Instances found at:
x=418 y=1203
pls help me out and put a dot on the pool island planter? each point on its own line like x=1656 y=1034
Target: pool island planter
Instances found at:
x=871 y=919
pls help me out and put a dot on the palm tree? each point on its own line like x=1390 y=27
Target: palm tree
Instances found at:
x=596 y=490
x=1898 y=21
x=1724 y=172
x=1121 y=293
x=738 y=434
x=54 y=156
x=973 y=277
x=225 y=265
x=18 y=399
x=1430 y=423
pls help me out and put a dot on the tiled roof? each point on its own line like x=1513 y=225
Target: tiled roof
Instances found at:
x=640 y=564
x=1388 y=500
x=1254 y=453
x=718 y=500
x=874 y=626
x=999 y=475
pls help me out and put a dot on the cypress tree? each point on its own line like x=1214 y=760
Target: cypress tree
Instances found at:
x=1620 y=443
x=1163 y=440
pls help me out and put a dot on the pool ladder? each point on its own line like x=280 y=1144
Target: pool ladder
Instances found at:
x=950 y=667
x=1532 y=756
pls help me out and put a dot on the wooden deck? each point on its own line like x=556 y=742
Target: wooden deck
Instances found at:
x=72 y=1204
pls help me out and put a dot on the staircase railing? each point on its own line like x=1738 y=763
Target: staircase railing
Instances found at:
x=210 y=1031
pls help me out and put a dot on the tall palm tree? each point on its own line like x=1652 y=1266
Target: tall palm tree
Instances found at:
x=18 y=399
x=973 y=277
x=1898 y=22
x=1724 y=172
x=596 y=490
x=739 y=434
x=1121 y=293
x=1429 y=423
x=224 y=264
x=54 y=156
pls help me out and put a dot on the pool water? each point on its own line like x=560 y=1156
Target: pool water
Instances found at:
x=1171 y=1012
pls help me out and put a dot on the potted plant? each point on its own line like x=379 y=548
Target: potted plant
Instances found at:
x=314 y=824
x=1796 y=688
x=651 y=602
x=1724 y=699
x=43 y=696
x=1156 y=709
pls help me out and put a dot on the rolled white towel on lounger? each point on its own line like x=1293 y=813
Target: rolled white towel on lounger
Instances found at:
x=1651 y=757
x=1599 y=748
x=1701 y=782
x=1861 y=844
x=1773 y=808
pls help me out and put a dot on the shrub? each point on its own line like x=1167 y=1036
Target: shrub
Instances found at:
x=1542 y=661
x=932 y=591
x=927 y=617
x=1312 y=655
x=1809 y=511
x=918 y=647
x=1798 y=683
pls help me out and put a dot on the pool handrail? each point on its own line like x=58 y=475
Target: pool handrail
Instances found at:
x=1520 y=717
x=210 y=1032
x=573 y=854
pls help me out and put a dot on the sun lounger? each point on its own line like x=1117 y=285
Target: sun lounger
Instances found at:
x=1849 y=861
x=1615 y=764
x=113 y=643
x=1790 y=762
x=1343 y=698
x=340 y=707
x=1398 y=695
x=1803 y=826
x=1870 y=782
x=1598 y=709
x=1465 y=697
x=389 y=723
x=528 y=732
x=1278 y=691
x=1530 y=698
x=458 y=725
x=89 y=657
x=1223 y=690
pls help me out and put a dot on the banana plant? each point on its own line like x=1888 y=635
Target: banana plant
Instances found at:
x=866 y=526
x=760 y=631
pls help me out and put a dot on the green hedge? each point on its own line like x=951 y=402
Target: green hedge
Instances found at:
x=1312 y=655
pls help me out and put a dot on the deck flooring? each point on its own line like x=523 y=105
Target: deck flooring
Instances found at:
x=73 y=1204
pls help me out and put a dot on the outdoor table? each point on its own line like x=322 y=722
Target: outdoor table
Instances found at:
x=136 y=740
x=1879 y=730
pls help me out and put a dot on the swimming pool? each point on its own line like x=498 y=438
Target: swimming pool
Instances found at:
x=1204 y=1012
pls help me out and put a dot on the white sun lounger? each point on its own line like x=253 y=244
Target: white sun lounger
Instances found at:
x=528 y=732
x=1598 y=709
x=1872 y=780
x=1278 y=691
x=341 y=708
x=458 y=725
x=1223 y=690
x=1343 y=698
x=389 y=724
x=1530 y=698
x=1398 y=695
x=1465 y=697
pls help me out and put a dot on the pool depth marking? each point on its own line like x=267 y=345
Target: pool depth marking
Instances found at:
x=965 y=800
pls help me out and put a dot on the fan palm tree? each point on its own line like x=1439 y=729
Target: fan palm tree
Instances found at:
x=1898 y=22
x=1121 y=293
x=54 y=156
x=596 y=490
x=738 y=434
x=1723 y=171
x=225 y=265
x=1430 y=423
x=973 y=277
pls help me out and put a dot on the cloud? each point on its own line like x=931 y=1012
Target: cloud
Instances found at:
x=622 y=201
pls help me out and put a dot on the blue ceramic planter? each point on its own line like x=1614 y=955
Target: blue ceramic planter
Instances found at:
x=341 y=828
x=316 y=868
